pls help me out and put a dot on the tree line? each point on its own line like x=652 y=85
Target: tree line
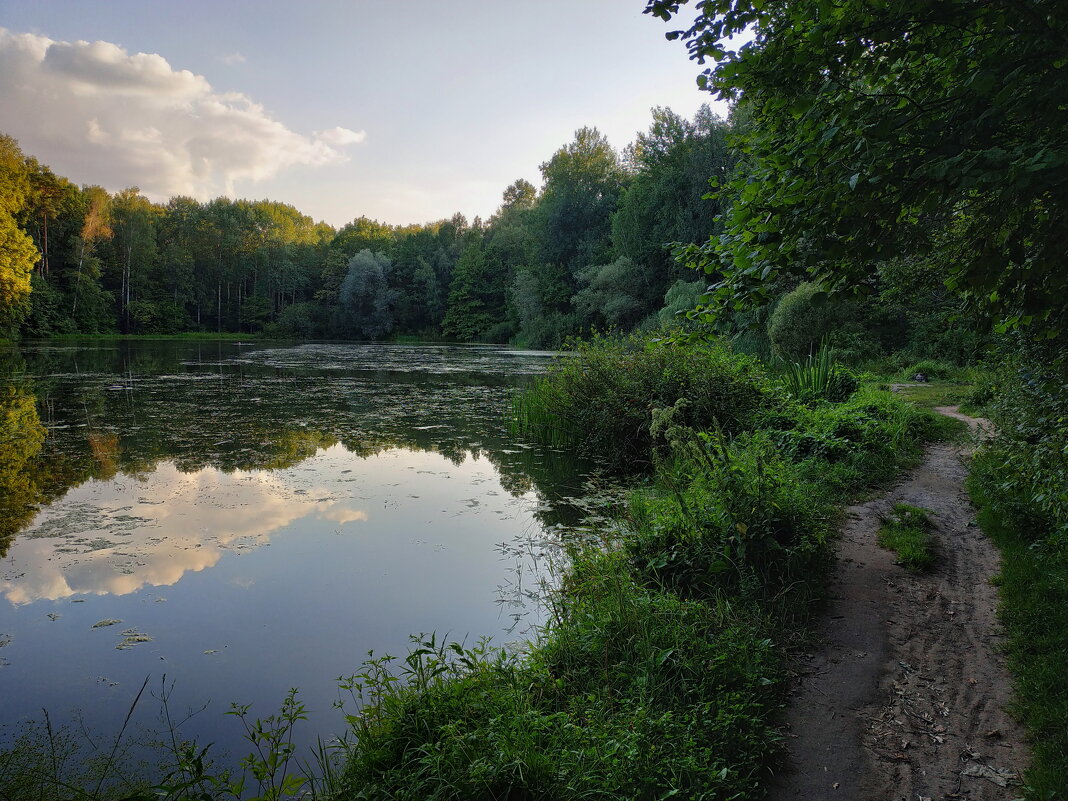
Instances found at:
x=588 y=250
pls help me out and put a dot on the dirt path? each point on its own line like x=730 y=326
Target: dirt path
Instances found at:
x=905 y=697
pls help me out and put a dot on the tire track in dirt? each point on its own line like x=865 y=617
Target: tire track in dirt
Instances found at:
x=905 y=696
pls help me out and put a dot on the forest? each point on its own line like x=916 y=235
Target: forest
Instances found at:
x=586 y=251
x=592 y=250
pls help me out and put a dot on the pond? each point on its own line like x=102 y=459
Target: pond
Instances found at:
x=230 y=520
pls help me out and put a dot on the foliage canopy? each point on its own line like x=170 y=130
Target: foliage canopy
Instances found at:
x=879 y=129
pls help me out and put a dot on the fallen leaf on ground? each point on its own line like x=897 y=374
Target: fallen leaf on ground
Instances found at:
x=999 y=776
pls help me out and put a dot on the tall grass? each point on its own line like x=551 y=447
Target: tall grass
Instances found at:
x=1019 y=480
x=811 y=379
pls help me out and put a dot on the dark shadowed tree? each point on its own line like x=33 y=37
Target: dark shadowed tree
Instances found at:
x=365 y=300
x=583 y=181
x=887 y=129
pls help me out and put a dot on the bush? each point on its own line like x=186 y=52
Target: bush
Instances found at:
x=1029 y=408
x=736 y=517
x=799 y=322
x=600 y=398
x=939 y=371
x=299 y=320
x=680 y=298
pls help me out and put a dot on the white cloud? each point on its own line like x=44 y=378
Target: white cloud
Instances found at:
x=98 y=114
x=341 y=136
x=233 y=58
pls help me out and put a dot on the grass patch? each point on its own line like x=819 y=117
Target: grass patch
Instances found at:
x=907 y=532
x=937 y=394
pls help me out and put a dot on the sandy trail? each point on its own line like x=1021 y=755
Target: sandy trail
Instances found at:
x=905 y=696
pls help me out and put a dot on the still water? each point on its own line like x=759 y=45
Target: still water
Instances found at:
x=234 y=520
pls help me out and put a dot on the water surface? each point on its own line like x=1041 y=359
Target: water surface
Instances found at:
x=242 y=519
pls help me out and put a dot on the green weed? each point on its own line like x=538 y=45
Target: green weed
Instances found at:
x=818 y=378
x=907 y=532
x=1033 y=587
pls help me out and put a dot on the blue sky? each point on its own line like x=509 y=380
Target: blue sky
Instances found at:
x=401 y=111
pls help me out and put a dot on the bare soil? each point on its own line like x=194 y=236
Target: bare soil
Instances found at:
x=905 y=697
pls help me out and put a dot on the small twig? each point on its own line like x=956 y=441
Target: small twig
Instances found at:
x=118 y=739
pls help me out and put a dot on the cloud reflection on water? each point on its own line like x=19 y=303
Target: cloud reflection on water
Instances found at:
x=118 y=536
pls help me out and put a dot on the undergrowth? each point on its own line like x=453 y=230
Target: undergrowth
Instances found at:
x=1019 y=481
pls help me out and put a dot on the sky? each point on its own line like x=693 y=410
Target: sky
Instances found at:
x=405 y=111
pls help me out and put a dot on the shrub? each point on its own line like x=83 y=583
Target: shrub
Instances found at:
x=680 y=298
x=599 y=399
x=735 y=517
x=1029 y=407
x=802 y=319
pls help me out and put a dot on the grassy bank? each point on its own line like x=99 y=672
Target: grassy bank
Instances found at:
x=662 y=670
x=1019 y=481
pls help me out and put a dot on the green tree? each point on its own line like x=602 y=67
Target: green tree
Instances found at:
x=360 y=234
x=366 y=300
x=17 y=251
x=610 y=296
x=665 y=202
x=469 y=313
x=133 y=246
x=884 y=129
x=96 y=226
x=583 y=181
